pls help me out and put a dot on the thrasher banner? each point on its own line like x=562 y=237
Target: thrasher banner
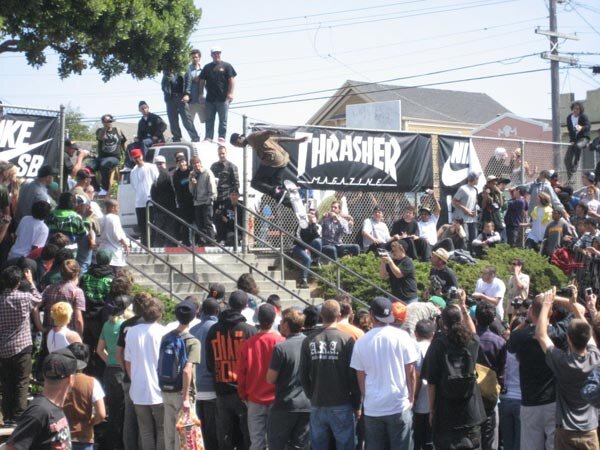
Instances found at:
x=29 y=141
x=456 y=158
x=345 y=159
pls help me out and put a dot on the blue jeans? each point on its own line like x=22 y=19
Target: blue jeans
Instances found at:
x=306 y=257
x=212 y=109
x=510 y=423
x=107 y=164
x=332 y=420
x=176 y=109
x=334 y=251
x=84 y=253
x=82 y=446
x=393 y=430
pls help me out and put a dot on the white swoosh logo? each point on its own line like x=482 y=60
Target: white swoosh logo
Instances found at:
x=451 y=177
x=18 y=151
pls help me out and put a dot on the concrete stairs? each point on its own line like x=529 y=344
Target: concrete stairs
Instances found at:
x=158 y=274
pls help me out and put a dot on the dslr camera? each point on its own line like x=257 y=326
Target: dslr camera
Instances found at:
x=566 y=291
x=520 y=302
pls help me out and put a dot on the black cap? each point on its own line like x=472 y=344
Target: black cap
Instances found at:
x=61 y=364
x=238 y=300
x=185 y=312
x=82 y=174
x=216 y=290
x=47 y=170
x=142 y=103
x=381 y=308
x=70 y=143
x=117 y=305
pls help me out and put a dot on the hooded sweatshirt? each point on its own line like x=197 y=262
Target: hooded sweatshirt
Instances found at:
x=223 y=344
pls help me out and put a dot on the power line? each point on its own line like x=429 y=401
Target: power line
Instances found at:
x=281 y=19
x=585 y=20
x=228 y=38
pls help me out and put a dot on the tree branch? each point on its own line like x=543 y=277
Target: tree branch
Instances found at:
x=10 y=45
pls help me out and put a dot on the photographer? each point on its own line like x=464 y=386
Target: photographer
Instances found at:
x=204 y=191
x=518 y=285
x=73 y=158
x=400 y=270
x=490 y=289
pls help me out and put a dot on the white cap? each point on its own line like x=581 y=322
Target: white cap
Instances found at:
x=500 y=151
x=159 y=159
x=215 y=49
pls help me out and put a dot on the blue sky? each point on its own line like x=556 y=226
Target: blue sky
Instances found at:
x=281 y=48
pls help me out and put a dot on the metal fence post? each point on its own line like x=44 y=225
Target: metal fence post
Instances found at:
x=193 y=242
x=171 y=282
x=147 y=230
x=245 y=189
x=522 y=161
x=61 y=146
x=281 y=258
x=235 y=230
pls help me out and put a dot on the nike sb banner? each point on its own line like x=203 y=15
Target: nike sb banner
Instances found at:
x=29 y=141
x=456 y=158
x=344 y=159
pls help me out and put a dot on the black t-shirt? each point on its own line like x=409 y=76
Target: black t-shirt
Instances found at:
x=181 y=184
x=448 y=277
x=217 y=77
x=449 y=413
x=402 y=226
x=537 y=380
x=131 y=322
x=325 y=372
x=42 y=426
x=404 y=288
x=289 y=395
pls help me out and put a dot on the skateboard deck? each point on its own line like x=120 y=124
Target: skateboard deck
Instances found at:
x=297 y=203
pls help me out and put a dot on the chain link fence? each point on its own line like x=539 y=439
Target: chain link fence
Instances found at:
x=518 y=160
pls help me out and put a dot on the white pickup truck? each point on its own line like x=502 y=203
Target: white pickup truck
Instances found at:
x=126 y=195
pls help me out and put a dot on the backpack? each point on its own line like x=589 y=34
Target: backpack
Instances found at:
x=171 y=362
x=489 y=386
x=458 y=379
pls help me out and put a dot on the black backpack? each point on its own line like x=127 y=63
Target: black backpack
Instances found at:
x=458 y=378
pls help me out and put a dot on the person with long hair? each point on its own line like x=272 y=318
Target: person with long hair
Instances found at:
x=456 y=408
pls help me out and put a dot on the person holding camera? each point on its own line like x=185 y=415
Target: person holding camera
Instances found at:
x=204 y=191
x=111 y=142
x=400 y=270
x=490 y=289
x=517 y=286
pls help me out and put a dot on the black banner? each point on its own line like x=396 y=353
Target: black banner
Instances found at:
x=29 y=141
x=456 y=158
x=346 y=160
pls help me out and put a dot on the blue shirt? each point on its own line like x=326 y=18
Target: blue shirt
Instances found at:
x=204 y=379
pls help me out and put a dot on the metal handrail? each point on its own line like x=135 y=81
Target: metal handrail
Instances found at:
x=297 y=241
x=213 y=242
x=171 y=269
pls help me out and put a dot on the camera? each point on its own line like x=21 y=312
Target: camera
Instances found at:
x=565 y=292
x=382 y=252
x=470 y=301
x=588 y=291
x=453 y=293
x=520 y=302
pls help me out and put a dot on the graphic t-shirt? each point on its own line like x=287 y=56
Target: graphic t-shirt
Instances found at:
x=43 y=426
x=217 y=75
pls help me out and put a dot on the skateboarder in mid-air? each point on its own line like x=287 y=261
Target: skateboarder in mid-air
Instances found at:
x=273 y=160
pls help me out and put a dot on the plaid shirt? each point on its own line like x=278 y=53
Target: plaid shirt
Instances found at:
x=96 y=289
x=67 y=222
x=62 y=292
x=15 y=310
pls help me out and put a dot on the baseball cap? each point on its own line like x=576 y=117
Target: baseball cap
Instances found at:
x=473 y=176
x=159 y=159
x=185 y=311
x=238 y=300
x=104 y=256
x=61 y=364
x=136 y=153
x=82 y=174
x=438 y=301
x=215 y=49
x=381 y=308
x=70 y=143
x=47 y=170
x=142 y=103
x=591 y=177
x=424 y=209
x=491 y=178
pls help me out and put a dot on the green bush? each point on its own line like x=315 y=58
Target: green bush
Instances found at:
x=169 y=312
x=543 y=275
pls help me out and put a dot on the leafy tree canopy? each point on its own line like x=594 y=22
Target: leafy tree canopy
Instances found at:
x=141 y=38
x=78 y=131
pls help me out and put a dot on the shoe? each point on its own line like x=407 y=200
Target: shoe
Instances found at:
x=302 y=284
x=221 y=140
x=316 y=264
x=102 y=193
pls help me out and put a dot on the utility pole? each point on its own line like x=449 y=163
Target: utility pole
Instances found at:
x=555 y=59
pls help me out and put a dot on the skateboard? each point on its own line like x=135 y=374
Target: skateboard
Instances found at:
x=297 y=203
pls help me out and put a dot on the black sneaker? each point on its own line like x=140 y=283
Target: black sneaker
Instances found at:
x=302 y=284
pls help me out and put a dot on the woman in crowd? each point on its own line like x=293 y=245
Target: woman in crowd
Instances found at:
x=60 y=336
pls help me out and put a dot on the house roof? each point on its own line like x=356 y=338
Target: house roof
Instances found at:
x=436 y=105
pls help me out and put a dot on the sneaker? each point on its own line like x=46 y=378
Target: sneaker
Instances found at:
x=302 y=284
x=221 y=141
x=102 y=193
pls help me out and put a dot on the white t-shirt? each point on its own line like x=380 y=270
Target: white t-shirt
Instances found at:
x=30 y=233
x=111 y=233
x=421 y=405
x=466 y=196
x=382 y=354
x=428 y=229
x=142 y=347
x=172 y=325
x=495 y=289
x=379 y=230
x=97 y=391
x=142 y=178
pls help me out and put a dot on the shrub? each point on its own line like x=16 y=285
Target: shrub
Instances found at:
x=169 y=304
x=543 y=275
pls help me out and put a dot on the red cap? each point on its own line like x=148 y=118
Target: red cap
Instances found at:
x=399 y=311
x=136 y=153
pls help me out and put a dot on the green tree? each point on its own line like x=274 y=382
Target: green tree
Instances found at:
x=114 y=36
x=77 y=130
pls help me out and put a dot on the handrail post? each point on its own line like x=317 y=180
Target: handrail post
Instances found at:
x=171 y=282
x=235 y=230
x=523 y=161
x=281 y=258
x=193 y=242
x=338 y=278
x=147 y=230
x=245 y=216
